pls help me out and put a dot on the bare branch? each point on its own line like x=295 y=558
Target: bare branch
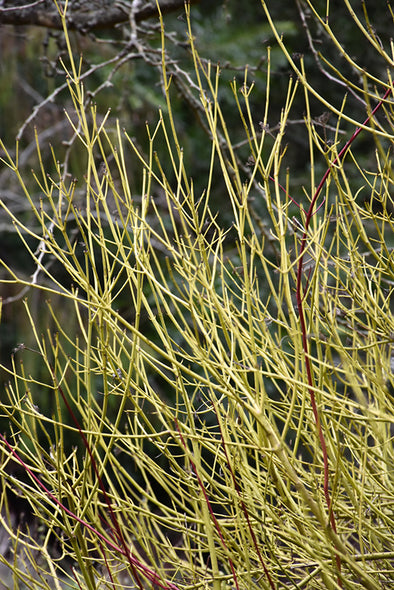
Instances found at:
x=14 y=8
x=82 y=16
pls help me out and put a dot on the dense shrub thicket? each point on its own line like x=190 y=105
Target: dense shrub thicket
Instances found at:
x=209 y=403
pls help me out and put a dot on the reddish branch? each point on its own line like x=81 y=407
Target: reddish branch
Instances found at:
x=242 y=503
x=117 y=542
x=208 y=503
x=300 y=304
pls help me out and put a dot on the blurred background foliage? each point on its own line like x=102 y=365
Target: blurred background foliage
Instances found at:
x=125 y=76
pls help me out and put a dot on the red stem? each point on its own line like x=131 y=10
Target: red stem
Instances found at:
x=300 y=305
x=115 y=522
x=243 y=505
x=217 y=525
x=134 y=563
